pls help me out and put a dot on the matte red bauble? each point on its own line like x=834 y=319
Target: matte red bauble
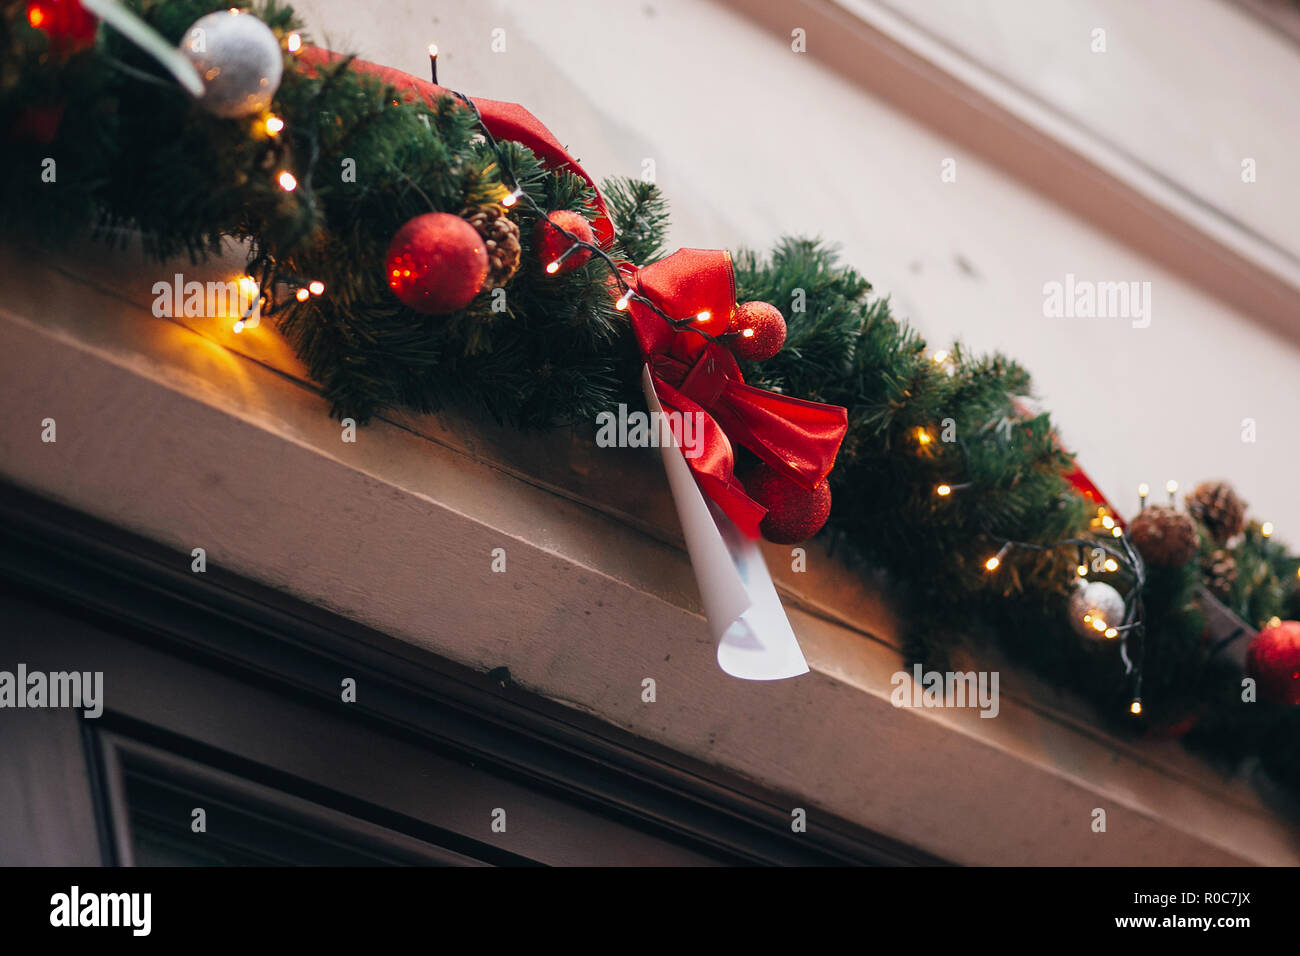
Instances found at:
x=758 y=331
x=437 y=263
x=552 y=244
x=67 y=23
x=1273 y=659
x=794 y=513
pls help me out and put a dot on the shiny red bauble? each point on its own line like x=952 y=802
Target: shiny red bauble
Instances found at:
x=794 y=513
x=757 y=331
x=551 y=244
x=1273 y=659
x=436 y=263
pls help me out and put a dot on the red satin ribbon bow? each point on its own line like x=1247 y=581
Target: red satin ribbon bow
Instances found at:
x=696 y=376
x=691 y=373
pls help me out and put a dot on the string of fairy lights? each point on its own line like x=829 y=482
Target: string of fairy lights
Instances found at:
x=1110 y=544
x=261 y=277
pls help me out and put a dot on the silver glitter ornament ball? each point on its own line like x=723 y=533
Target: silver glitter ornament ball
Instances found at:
x=1095 y=601
x=238 y=58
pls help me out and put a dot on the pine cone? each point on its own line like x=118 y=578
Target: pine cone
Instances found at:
x=501 y=236
x=1215 y=505
x=1220 y=570
x=1164 y=537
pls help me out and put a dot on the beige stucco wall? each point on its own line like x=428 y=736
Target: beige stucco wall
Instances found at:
x=751 y=140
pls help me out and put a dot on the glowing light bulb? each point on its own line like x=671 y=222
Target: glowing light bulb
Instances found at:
x=1135 y=708
x=512 y=198
x=273 y=125
x=295 y=43
x=1098 y=624
x=1112 y=564
x=35 y=15
x=1143 y=490
x=623 y=300
x=433 y=49
x=923 y=436
x=940 y=357
x=943 y=491
x=992 y=563
x=1111 y=632
x=552 y=267
x=1266 y=528
x=1108 y=522
x=287 y=181
x=302 y=295
x=747 y=334
x=1116 y=533
x=316 y=287
x=1171 y=486
x=704 y=316
x=239 y=326
x=1082 y=570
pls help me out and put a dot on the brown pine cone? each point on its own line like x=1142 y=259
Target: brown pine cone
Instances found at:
x=501 y=237
x=1220 y=570
x=1164 y=537
x=1215 y=505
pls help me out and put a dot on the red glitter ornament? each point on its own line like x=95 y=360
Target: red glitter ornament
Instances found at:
x=552 y=244
x=67 y=23
x=794 y=513
x=437 y=263
x=1273 y=659
x=757 y=330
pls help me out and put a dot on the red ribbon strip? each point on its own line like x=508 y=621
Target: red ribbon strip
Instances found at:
x=503 y=120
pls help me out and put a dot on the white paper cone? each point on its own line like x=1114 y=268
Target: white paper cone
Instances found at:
x=755 y=640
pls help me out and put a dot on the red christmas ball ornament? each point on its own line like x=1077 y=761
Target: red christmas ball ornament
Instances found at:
x=794 y=513
x=67 y=23
x=437 y=263
x=553 y=246
x=1273 y=659
x=758 y=331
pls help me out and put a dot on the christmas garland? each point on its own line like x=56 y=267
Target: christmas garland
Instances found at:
x=415 y=261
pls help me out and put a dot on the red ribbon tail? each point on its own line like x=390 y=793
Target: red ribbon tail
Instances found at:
x=798 y=438
x=714 y=465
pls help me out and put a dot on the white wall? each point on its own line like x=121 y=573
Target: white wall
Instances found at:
x=752 y=140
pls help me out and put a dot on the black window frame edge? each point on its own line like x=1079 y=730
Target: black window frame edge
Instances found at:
x=239 y=626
